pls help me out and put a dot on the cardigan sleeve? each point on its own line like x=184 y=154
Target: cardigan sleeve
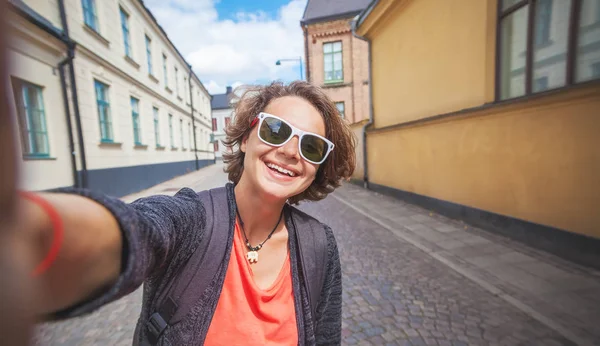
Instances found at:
x=328 y=329
x=154 y=229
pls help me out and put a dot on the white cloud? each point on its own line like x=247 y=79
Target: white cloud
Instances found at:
x=224 y=51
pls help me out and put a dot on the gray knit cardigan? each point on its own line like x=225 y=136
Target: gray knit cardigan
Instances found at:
x=161 y=232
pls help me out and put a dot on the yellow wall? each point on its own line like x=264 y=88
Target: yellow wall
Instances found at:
x=431 y=57
x=538 y=160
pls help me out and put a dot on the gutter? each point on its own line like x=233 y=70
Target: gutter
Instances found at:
x=71 y=56
x=63 y=36
x=63 y=84
x=371 y=111
x=192 y=114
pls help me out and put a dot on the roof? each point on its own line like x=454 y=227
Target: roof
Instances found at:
x=38 y=20
x=327 y=10
x=171 y=43
x=220 y=101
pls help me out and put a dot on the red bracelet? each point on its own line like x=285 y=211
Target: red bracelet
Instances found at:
x=57 y=229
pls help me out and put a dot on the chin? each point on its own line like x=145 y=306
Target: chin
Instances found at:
x=278 y=186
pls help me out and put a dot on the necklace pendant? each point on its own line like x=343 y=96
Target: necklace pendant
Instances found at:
x=252 y=256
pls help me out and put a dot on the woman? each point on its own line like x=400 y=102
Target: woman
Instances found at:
x=288 y=144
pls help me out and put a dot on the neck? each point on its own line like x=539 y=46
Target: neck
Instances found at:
x=259 y=214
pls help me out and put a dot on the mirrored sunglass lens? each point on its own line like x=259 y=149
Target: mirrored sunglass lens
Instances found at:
x=313 y=148
x=274 y=131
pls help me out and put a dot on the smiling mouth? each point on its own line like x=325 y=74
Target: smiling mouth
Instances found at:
x=280 y=170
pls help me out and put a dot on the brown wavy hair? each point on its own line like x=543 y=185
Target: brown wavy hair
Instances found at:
x=339 y=164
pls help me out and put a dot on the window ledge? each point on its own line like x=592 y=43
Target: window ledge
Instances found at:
x=132 y=62
x=184 y=149
x=179 y=98
x=340 y=84
x=96 y=35
x=173 y=148
x=38 y=157
x=110 y=144
x=187 y=104
x=160 y=147
x=141 y=146
x=168 y=90
x=152 y=78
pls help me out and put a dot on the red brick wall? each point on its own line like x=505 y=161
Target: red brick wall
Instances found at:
x=354 y=91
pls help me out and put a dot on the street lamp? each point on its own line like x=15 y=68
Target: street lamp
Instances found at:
x=298 y=59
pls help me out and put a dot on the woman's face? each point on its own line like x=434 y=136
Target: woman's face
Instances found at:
x=271 y=183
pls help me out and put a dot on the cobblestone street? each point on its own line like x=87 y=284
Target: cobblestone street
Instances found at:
x=410 y=278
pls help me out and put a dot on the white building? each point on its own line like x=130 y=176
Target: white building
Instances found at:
x=130 y=103
x=222 y=114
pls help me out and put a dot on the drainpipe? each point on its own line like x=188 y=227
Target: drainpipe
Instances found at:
x=70 y=57
x=370 y=122
x=192 y=113
x=63 y=84
x=306 y=55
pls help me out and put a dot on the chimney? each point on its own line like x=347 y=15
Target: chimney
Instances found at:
x=228 y=90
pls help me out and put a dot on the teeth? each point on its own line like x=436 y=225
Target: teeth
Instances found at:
x=280 y=169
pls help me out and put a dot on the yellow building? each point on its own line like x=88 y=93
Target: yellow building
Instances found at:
x=489 y=111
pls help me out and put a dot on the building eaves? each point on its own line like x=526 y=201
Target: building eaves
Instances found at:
x=38 y=20
x=330 y=18
x=171 y=43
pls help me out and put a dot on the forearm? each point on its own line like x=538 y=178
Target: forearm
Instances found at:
x=89 y=258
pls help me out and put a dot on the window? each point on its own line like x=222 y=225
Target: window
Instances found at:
x=185 y=85
x=190 y=135
x=125 y=29
x=216 y=146
x=332 y=62
x=103 y=104
x=535 y=50
x=89 y=14
x=340 y=108
x=165 y=75
x=177 y=81
x=214 y=123
x=181 y=132
x=543 y=17
x=588 y=42
x=156 y=126
x=149 y=53
x=540 y=84
x=227 y=121
x=171 y=137
x=135 y=116
x=32 y=118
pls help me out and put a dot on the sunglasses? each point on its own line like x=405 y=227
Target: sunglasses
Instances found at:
x=276 y=132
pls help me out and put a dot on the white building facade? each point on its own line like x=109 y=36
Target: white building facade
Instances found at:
x=222 y=115
x=145 y=116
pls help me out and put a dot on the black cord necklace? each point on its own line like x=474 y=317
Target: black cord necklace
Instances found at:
x=252 y=254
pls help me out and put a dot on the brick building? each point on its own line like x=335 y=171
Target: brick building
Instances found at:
x=337 y=61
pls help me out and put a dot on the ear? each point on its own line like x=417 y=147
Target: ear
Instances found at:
x=244 y=144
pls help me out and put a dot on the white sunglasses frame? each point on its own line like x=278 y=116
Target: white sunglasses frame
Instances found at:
x=295 y=132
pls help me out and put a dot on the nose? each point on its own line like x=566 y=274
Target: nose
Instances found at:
x=290 y=149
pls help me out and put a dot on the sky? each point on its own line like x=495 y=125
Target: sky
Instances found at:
x=235 y=42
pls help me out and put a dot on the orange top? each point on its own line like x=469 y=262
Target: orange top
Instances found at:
x=247 y=315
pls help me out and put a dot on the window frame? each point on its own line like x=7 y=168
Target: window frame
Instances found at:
x=91 y=6
x=156 y=122
x=571 y=53
x=171 y=135
x=214 y=124
x=181 y=133
x=28 y=133
x=165 y=72
x=135 y=117
x=125 y=30
x=148 y=41
x=104 y=118
x=332 y=43
x=343 y=112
